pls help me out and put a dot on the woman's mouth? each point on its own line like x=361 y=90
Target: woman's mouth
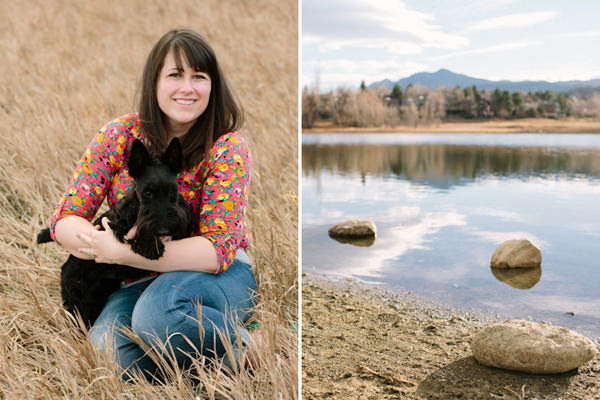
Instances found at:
x=184 y=102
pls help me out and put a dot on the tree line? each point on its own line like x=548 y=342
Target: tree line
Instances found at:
x=416 y=105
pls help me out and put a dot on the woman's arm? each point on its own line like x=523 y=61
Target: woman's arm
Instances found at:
x=95 y=173
x=189 y=254
x=224 y=197
x=66 y=234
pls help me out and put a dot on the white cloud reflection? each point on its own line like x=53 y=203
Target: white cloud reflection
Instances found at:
x=589 y=228
x=412 y=230
x=502 y=214
x=499 y=237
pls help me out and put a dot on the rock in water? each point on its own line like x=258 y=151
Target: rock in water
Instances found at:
x=531 y=347
x=517 y=253
x=353 y=228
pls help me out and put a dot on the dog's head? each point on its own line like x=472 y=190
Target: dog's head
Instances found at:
x=161 y=211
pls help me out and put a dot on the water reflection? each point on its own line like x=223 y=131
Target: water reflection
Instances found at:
x=441 y=210
x=444 y=165
x=360 y=242
x=520 y=278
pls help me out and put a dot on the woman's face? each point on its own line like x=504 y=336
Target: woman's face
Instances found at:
x=182 y=95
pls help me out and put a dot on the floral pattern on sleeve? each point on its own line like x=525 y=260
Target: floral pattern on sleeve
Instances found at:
x=224 y=197
x=100 y=172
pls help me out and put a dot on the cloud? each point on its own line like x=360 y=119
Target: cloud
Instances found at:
x=490 y=4
x=513 y=21
x=339 y=72
x=583 y=34
x=386 y=24
x=490 y=49
x=555 y=75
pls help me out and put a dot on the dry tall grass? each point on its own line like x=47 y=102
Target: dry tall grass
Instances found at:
x=70 y=66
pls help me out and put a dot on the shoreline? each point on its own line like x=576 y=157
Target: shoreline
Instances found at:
x=525 y=125
x=364 y=341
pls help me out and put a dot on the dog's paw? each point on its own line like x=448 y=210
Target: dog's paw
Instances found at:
x=151 y=249
x=119 y=230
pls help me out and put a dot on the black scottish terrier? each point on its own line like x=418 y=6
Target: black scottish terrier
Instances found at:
x=154 y=206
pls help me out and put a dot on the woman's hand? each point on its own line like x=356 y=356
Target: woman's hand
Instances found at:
x=104 y=247
x=189 y=254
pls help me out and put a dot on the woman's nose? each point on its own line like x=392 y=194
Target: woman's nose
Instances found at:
x=186 y=85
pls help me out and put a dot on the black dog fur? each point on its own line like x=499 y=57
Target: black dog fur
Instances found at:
x=154 y=206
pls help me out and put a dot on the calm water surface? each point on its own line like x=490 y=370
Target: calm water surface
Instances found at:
x=442 y=203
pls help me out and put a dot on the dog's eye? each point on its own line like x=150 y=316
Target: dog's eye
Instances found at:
x=147 y=193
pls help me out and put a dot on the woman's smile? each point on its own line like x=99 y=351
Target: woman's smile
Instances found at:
x=185 y=102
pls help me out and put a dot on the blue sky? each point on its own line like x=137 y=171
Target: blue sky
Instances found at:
x=347 y=41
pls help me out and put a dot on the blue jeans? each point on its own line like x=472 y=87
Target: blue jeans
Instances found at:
x=167 y=310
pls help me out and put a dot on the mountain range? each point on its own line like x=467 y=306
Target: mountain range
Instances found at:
x=447 y=78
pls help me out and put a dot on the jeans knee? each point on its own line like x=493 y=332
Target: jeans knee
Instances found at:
x=120 y=347
x=162 y=307
x=151 y=320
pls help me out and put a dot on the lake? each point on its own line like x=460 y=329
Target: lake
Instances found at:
x=442 y=203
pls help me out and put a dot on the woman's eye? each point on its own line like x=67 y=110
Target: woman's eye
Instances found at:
x=200 y=76
x=174 y=75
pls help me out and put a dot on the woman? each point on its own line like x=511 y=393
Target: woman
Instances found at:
x=205 y=277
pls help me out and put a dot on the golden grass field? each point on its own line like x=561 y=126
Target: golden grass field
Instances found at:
x=67 y=68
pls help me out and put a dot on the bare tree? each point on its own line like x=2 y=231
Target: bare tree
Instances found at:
x=310 y=107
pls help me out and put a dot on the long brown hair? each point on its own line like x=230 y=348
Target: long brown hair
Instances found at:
x=222 y=113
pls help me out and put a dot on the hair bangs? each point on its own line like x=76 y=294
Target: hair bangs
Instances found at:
x=198 y=59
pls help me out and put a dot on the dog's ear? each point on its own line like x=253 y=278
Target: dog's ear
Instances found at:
x=173 y=157
x=139 y=158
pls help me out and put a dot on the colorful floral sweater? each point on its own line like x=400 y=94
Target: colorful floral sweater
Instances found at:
x=216 y=188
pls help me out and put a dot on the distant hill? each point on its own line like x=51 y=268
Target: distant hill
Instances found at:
x=444 y=77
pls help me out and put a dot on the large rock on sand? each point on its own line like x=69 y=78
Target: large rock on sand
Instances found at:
x=517 y=253
x=354 y=228
x=532 y=347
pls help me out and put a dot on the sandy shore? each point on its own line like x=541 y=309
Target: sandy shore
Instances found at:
x=363 y=342
x=525 y=125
